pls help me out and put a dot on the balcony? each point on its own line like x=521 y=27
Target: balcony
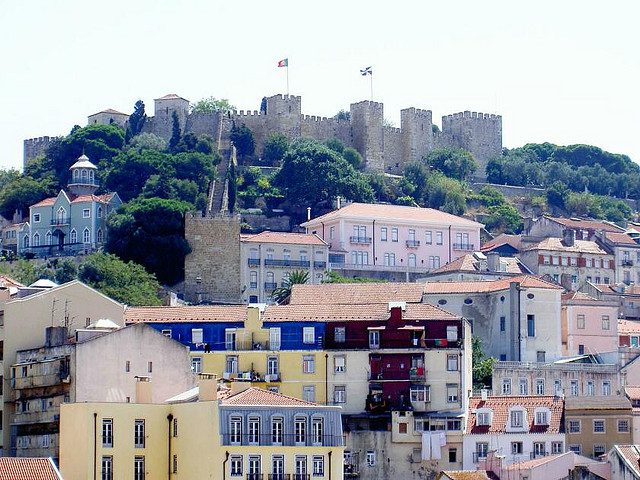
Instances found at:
x=319 y=264
x=60 y=221
x=287 y=440
x=279 y=476
x=287 y=263
x=360 y=240
x=389 y=374
x=268 y=286
x=627 y=262
x=254 y=262
x=254 y=476
x=464 y=246
x=418 y=374
x=413 y=243
x=39 y=380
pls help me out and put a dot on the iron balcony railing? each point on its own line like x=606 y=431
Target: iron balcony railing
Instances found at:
x=254 y=476
x=287 y=440
x=365 y=240
x=254 y=262
x=477 y=456
x=279 y=476
x=627 y=262
x=270 y=285
x=287 y=263
x=463 y=246
x=319 y=264
x=413 y=243
x=61 y=221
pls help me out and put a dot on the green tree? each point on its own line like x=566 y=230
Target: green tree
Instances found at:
x=212 y=105
x=65 y=270
x=150 y=232
x=491 y=196
x=331 y=276
x=128 y=282
x=503 y=218
x=242 y=139
x=176 y=134
x=343 y=115
x=20 y=194
x=334 y=144
x=482 y=367
x=137 y=119
x=352 y=156
x=8 y=176
x=275 y=147
x=557 y=194
x=281 y=294
x=453 y=162
x=148 y=141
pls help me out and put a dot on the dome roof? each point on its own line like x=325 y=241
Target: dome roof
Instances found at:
x=83 y=162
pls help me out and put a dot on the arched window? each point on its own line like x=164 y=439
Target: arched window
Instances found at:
x=25 y=241
x=86 y=236
x=84 y=176
x=90 y=176
x=61 y=216
x=36 y=239
x=412 y=259
x=99 y=236
x=73 y=236
x=76 y=174
x=48 y=238
x=99 y=212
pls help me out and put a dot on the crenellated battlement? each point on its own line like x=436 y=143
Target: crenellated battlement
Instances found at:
x=247 y=113
x=36 y=140
x=35 y=147
x=471 y=115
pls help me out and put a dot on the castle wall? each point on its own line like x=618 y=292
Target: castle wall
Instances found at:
x=203 y=124
x=257 y=123
x=212 y=269
x=394 y=158
x=368 y=134
x=417 y=133
x=162 y=124
x=34 y=147
x=323 y=128
x=107 y=118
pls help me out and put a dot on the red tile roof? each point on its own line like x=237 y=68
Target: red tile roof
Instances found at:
x=110 y=111
x=632 y=391
x=628 y=326
x=587 y=224
x=620 y=238
x=393 y=213
x=500 y=407
x=6 y=282
x=579 y=297
x=104 y=199
x=284 y=238
x=260 y=397
x=200 y=313
x=631 y=454
x=514 y=241
x=12 y=468
x=487 y=286
x=532 y=463
x=465 y=474
x=171 y=96
x=340 y=313
x=469 y=263
x=579 y=246
x=355 y=293
x=597 y=402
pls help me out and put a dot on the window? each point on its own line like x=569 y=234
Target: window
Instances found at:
x=523 y=386
x=402 y=427
x=99 y=214
x=453 y=455
x=452 y=333
x=235 y=430
x=138 y=434
x=309 y=393
x=539 y=449
x=419 y=393
x=506 y=386
x=606 y=324
x=231 y=364
x=517 y=417
x=542 y=417
x=503 y=324
x=591 y=389
x=383 y=234
x=277 y=427
x=236 y=466
x=394 y=234
x=438 y=238
x=557 y=447
x=107 y=432
x=339 y=334
x=580 y=321
x=452 y=363
x=196 y=364
x=573 y=386
x=531 y=325
x=175 y=427
x=99 y=236
x=274 y=338
x=150 y=367
x=273 y=365
x=429 y=237
x=308 y=364
x=36 y=217
x=317 y=431
x=73 y=236
x=516 y=448
x=196 y=335
x=482 y=449
x=539 y=386
x=483 y=418
x=434 y=261
x=374 y=339
x=623 y=426
x=255 y=468
x=138 y=468
x=48 y=239
x=371 y=458
x=253 y=279
x=389 y=259
x=107 y=468
x=557 y=387
x=175 y=464
x=339 y=394
x=598 y=426
x=86 y=236
x=576 y=448
x=127 y=366
x=277 y=467
x=308 y=335
x=300 y=428
x=541 y=356
x=599 y=449
x=575 y=426
x=360 y=258
x=452 y=393
x=254 y=430
x=339 y=363
x=318 y=466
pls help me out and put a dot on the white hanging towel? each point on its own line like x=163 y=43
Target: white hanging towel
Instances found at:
x=426 y=446
x=443 y=439
x=435 y=446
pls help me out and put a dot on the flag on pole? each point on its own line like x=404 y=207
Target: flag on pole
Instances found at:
x=366 y=71
x=283 y=63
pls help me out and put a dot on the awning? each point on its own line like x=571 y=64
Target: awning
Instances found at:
x=412 y=327
x=381 y=327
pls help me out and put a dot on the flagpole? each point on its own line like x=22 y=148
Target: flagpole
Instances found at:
x=287 y=77
x=371 y=75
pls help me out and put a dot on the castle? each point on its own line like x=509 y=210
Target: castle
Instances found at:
x=384 y=149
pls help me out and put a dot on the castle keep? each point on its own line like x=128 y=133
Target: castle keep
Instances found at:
x=384 y=149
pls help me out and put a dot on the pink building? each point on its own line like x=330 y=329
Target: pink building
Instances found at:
x=589 y=326
x=392 y=237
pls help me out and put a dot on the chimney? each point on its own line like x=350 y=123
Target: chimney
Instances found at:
x=568 y=237
x=338 y=202
x=55 y=336
x=396 y=309
x=237 y=387
x=493 y=261
x=308 y=213
x=484 y=394
x=565 y=281
x=143 y=389
x=207 y=387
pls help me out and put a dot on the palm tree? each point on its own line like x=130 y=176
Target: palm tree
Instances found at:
x=281 y=294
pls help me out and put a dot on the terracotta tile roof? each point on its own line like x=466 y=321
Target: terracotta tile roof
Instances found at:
x=199 y=313
x=579 y=297
x=6 y=282
x=104 y=199
x=579 y=246
x=503 y=239
x=47 y=202
x=631 y=454
x=110 y=111
x=171 y=96
x=465 y=474
x=340 y=313
x=394 y=213
x=628 y=326
x=532 y=463
x=12 y=468
x=587 y=224
x=487 y=286
x=355 y=293
x=620 y=238
x=500 y=407
x=285 y=238
x=586 y=402
x=469 y=263
x=260 y=397
x=632 y=391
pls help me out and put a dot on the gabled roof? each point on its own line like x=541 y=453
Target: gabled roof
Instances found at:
x=341 y=313
x=593 y=402
x=172 y=96
x=12 y=468
x=631 y=456
x=65 y=286
x=198 y=313
x=514 y=241
x=632 y=391
x=104 y=199
x=394 y=213
x=500 y=408
x=110 y=111
x=581 y=298
x=487 y=286
x=469 y=263
x=355 y=293
x=621 y=239
x=254 y=396
x=579 y=224
x=284 y=238
x=6 y=282
x=579 y=246
x=464 y=475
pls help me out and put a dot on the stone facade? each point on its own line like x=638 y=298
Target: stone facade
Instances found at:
x=34 y=147
x=212 y=269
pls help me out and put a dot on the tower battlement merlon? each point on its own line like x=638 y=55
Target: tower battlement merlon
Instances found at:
x=246 y=113
x=35 y=147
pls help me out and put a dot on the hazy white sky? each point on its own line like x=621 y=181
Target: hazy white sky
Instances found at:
x=559 y=71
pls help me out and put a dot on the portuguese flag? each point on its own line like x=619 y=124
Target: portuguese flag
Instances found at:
x=283 y=63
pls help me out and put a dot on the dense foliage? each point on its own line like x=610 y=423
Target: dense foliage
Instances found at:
x=482 y=367
x=212 y=105
x=281 y=294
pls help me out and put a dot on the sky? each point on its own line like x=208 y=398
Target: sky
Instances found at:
x=559 y=71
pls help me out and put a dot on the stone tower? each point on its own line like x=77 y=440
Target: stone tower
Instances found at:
x=368 y=134
x=284 y=115
x=212 y=269
x=417 y=133
x=83 y=179
x=163 y=119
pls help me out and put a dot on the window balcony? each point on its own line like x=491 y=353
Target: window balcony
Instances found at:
x=389 y=375
x=319 y=264
x=413 y=243
x=287 y=263
x=360 y=240
x=287 y=440
x=268 y=286
x=627 y=262
x=60 y=221
x=464 y=246
x=254 y=262
x=418 y=374
x=478 y=456
x=279 y=476
x=254 y=476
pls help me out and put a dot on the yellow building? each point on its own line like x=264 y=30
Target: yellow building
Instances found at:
x=253 y=434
